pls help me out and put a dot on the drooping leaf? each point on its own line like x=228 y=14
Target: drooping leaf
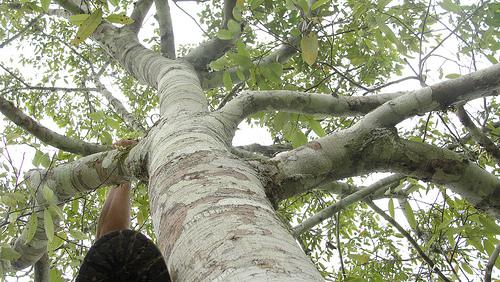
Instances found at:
x=309 y=46
x=88 y=27
x=56 y=211
x=228 y=82
x=391 y=207
x=31 y=227
x=410 y=216
x=48 y=224
x=47 y=194
x=316 y=127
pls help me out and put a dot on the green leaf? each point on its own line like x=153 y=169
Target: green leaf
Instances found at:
x=114 y=2
x=410 y=216
x=490 y=225
x=450 y=6
x=309 y=46
x=48 y=224
x=77 y=234
x=45 y=5
x=227 y=81
x=56 y=210
x=382 y=3
x=492 y=59
x=465 y=266
x=298 y=138
x=318 y=4
x=237 y=11
x=55 y=275
x=225 y=34
x=113 y=123
x=255 y=3
x=453 y=75
x=119 y=19
x=360 y=259
x=303 y=4
x=391 y=207
x=48 y=194
x=57 y=242
x=8 y=253
x=8 y=200
x=316 y=127
x=106 y=138
x=88 y=27
x=78 y=19
x=233 y=26
x=31 y=227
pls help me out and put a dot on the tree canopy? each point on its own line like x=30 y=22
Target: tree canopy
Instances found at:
x=347 y=89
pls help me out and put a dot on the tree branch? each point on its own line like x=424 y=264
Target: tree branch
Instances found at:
x=281 y=55
x=42 y=269
x=214 y=48
x=412 y=241
x=478 y=84
x=268 y=151
x=118 y=106
x=167 y=45
x=252 y=102
x=21 y=32
x=85 y=174
x=140 y=11
x=491 y=263
x=350 y=153
x=477 y=135
x=46 y=135
x=343 y=203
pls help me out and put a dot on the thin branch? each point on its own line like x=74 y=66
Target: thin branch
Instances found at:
x=46 y=135
x=195 y=21
x=21 y=32
x=118 y=106
x=477 y=135
x=167 y=42
x=343 y=203
x=230 y=95
x=412 y=241
x=491 y=263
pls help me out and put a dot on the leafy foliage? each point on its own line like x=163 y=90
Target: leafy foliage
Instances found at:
x=345 y=48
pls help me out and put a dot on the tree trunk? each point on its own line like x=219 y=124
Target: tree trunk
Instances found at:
x=210 y=212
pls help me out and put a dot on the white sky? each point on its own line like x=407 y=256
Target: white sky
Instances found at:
x=187 y=32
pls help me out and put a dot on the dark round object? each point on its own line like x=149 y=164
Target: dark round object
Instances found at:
x=123 y=255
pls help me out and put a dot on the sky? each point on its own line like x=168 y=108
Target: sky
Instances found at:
x=187 y=32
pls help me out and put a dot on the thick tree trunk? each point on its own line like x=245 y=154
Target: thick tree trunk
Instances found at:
x=211 y=215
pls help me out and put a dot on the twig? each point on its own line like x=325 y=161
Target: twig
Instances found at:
x=412 y=241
